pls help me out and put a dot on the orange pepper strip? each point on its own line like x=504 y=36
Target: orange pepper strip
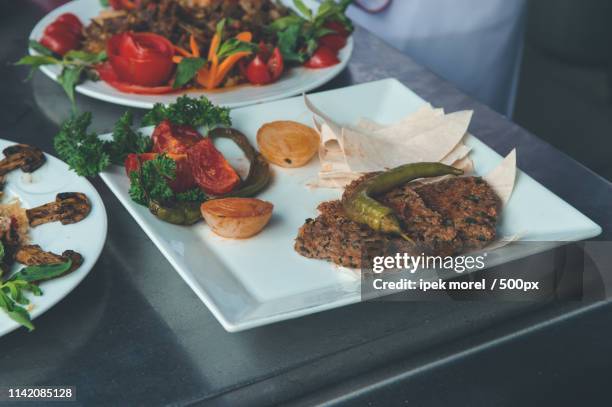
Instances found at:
x=214 y=46
x=177 y=59
x=227 y=64
x=195 y=50
x=182 y=51
x=202 y=77
x=245 y=36
x=210 y=84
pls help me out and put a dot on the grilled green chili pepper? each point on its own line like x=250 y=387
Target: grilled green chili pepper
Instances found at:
x=178 y=213
x=259 y=171
x=362 y=208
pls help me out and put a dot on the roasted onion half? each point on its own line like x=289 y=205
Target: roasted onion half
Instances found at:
x=237 y=218
x=287 y=143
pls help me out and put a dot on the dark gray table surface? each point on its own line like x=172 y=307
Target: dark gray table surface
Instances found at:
x=133 y=333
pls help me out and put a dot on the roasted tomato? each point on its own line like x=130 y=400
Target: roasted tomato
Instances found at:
x=173 y=138
x=323 y=57
x=266 y=67
x=143 y=59
x=63 y=35
x=184 y=178
x=213 y=174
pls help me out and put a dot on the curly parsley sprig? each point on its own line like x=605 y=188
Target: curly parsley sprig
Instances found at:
x=87 y=154
x=190 y=111
x=151 y=183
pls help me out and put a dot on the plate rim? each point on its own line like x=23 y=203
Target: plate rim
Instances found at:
x=123 y=99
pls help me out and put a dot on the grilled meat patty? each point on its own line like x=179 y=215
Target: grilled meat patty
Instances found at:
x=443 y=218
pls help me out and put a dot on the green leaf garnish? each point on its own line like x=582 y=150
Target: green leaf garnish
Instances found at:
x=186 y=70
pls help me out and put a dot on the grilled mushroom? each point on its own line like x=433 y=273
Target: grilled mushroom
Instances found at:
x=34 y=255
x=68 y=207
x=23 y=156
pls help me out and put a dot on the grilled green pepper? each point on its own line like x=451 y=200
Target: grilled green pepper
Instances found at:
x=178 y=213
x=362 y=208
x=259 y=171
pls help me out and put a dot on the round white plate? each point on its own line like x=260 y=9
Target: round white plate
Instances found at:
x=293 y=82
x=86 y=237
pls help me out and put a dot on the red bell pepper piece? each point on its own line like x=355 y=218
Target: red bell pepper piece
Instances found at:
x=213 y=174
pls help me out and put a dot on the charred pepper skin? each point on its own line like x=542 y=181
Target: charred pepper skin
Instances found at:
x=362 y=208
x=259 y=170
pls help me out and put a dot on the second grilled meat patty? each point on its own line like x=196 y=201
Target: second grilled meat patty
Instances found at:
x=447 y=217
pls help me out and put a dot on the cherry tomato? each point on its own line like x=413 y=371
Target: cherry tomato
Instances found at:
x=71 y=21
x=143 y=59
x=276 y=65
x=174 y=138
x=183 y=180
x=266 y=67
x=323 y=57
x=257 y=72
x=213 y=174
x=108 y=75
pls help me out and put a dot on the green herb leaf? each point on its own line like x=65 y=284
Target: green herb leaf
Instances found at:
x=36 y=61
x=76 y=57
x=41 y=49
x=189 y=111
x=288 y=44
x=70 y=76
x=186 y=70
x=41 y=272
x=193 y=195
x=84 y=152
x=126 y=140
x=151 y=181
x=233 y=46
x=220 y=27
x=281 y=24
x=104 y=3
x=1 y=252
x=299 y=4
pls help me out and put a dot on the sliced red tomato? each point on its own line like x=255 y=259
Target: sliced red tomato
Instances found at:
x=143 y=59
x=266 y=67
x=276 y=65
x=257 y=71
x=108 y=75
x=323 y=57
x=61 y=37
x=184 y=178
x=174 y=138
x=213 y=174
x=60 y=42
x=71 y=21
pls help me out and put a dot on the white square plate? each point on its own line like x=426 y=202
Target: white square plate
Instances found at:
x=253 y=282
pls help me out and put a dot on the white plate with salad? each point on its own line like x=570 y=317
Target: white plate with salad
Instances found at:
x=246 y=68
